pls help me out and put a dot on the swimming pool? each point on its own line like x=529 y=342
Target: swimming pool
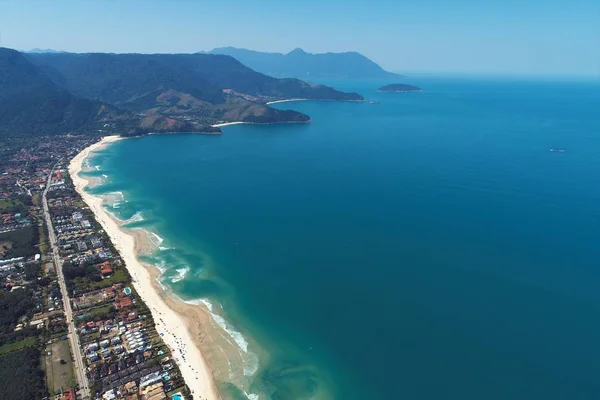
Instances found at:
x=178 y=396
x=127 y=290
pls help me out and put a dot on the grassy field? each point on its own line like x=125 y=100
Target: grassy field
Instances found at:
x=90 y=315
x=43 y=242
x=7 y=204
x=58 y=375
x=7 y=348
x=4 y=247
x=117 y=277
x=86 y=284
x=37 y=200
x=24 y=242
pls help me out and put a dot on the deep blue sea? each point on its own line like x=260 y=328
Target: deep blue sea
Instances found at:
x=427 y=247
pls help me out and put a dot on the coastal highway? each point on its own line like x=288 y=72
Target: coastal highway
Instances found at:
x=79 y=365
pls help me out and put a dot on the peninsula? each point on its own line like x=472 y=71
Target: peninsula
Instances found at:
x=134 y=94
x=399 y=87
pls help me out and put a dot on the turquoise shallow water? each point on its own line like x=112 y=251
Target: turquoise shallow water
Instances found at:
x=429 y=246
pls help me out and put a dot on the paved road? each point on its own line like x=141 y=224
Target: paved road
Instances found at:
x=84 y=388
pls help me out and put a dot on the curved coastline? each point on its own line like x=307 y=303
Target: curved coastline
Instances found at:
x=169 y=315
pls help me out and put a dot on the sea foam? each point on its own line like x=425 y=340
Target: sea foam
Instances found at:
x=239 y=339
x=155 y=239
x=137 y=217
x=181 y=273
x=251 y=396
x=251 y=361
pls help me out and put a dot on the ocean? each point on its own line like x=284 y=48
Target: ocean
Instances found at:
x=430 y=246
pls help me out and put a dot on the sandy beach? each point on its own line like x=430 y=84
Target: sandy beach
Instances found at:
x=227 y=124
x=185 y=349
x=286 y=101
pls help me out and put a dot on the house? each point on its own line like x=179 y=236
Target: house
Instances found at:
x=124 y=302
x=96 y=242
x=131 y=387
x=81 y=246
x=68 y=395
x=150 y=379
x=109 y=395
x=106 y=272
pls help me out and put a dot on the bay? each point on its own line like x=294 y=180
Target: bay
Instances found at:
x=429 y=246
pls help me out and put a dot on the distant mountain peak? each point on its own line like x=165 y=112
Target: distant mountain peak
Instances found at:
x=301 y=64
x=39 y=51
x=297 y=51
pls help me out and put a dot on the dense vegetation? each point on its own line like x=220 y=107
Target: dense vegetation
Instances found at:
x=301 y=64
x=31 y=102
x=24 y=242
x=17 y=205
x=51 y=93
x=180 y=92
x=21 y=376
x=86 y=277
x=135 y=80
x=13 y=306
x=87 y=272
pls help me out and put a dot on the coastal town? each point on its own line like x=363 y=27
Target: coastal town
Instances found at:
x=72 y=325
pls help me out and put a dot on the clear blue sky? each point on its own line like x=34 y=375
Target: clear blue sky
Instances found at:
x=533 y=37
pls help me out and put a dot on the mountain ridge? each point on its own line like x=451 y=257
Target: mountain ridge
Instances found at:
x=143 y=92
x=30 y=102
x=301 y=64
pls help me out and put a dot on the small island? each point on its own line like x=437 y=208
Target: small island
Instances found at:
x=399 y=87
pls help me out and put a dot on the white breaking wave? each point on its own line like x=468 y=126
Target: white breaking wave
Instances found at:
x=251 y=396
x=251 y=364
x=115 y=200
x=162 y=266
x=251 y=361
x=157 y=241
x=239 y=339
x=121 y=195
x=97 y=167
x=181 y=273
x=137 y=217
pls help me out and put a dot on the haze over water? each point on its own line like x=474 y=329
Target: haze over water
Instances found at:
x=430 y=246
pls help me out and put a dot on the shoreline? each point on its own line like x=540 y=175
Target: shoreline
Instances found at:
x=285 y=101
x=260 y=123
x=168 y=314
x=227 y=124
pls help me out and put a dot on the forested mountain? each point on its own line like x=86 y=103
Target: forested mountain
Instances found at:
x=127 y=79
x=198 y=88
x=30 y=102
x=65 y=92
x=303 y=65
